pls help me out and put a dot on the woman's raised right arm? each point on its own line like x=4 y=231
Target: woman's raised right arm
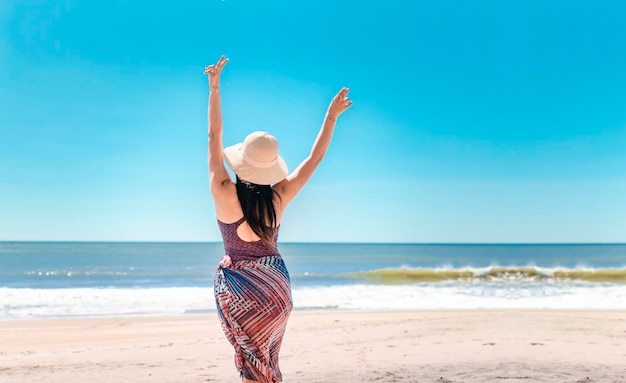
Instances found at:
x=289 y=187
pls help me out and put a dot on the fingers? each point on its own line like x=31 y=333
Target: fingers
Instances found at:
x=222 y=61
x=216 y=68
x=209 y=69
x=341 y=97
x=343 y=102
x=343 y=93
x=340 y=103
x=347 y=103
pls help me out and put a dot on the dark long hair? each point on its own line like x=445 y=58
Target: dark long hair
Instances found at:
x=257 y=203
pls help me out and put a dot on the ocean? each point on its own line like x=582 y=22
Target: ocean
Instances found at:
x=83 y=279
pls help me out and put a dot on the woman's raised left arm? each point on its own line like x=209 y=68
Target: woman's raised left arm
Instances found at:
x=217 y=172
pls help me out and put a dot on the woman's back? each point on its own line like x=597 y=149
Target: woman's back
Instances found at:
x=239 y=249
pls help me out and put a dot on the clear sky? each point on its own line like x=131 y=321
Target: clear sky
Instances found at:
x=473 y=121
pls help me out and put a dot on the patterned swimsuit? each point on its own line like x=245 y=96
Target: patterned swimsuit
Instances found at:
x=253 y=296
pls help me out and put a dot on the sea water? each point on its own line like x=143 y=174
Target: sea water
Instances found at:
x=82 y=279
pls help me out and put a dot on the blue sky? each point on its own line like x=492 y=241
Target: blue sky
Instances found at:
x=475 y=122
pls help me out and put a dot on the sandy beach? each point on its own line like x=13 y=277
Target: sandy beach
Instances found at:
x=417 y=346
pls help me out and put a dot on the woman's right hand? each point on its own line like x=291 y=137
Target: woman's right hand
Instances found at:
x=214 y=71
x=339 y=104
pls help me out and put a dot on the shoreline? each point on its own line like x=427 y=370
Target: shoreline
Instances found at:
x=461 y=346
x=297 y=311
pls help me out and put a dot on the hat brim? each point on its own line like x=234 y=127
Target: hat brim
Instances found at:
x=260 y=176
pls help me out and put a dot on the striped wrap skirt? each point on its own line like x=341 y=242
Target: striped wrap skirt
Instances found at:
x=253 y=304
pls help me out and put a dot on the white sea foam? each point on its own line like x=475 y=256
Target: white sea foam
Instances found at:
x=468 y=296
x=87 y=302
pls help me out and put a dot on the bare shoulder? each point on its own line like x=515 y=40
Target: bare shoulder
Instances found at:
x=226 y=201
x=223 y=190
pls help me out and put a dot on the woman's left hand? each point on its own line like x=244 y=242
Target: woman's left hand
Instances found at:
x=214 y=71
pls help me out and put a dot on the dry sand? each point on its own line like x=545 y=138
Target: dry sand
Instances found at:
x=417 y=346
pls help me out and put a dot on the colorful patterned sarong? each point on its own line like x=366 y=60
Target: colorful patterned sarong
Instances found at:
x=253 y=303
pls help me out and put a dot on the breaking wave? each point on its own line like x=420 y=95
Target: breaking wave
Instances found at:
x=495 y=274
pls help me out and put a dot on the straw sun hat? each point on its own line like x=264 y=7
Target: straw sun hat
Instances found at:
x=256 y=159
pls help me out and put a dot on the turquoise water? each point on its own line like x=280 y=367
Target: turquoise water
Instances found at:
x=39 y=279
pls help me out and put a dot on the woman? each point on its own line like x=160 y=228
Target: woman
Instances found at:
x=252 y=287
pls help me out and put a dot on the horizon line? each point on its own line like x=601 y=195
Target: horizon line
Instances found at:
x=322 y=242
